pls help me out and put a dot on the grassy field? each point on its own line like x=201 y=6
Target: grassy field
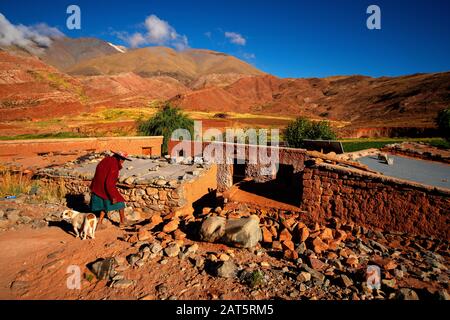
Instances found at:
x=59 y=135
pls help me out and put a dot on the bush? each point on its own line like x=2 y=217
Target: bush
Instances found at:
x=302 y=129
x=443 y=123
x=164 y=122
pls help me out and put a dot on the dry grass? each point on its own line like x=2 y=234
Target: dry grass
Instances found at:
x=15 y=184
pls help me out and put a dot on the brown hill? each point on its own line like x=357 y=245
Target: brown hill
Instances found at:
x=398 y=101
x=185 y=66
x=129 y=89
x=64 y=53
x=29 y=88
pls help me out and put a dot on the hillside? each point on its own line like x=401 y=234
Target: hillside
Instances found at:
x=64 y=53
x=400 y=101
x=29 y=88
x=185 y=66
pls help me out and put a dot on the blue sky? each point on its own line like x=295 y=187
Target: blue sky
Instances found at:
x=285 y=38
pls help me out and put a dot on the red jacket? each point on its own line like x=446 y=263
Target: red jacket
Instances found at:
x=105 y=179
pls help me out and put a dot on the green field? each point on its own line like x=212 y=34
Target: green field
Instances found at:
x=59 y=135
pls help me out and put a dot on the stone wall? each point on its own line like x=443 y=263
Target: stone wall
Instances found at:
x=163 y=197
x=375 y=201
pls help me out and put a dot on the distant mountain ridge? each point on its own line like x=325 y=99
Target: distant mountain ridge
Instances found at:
x=74 y=74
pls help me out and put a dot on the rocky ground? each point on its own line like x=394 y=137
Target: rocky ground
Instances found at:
x=162 y=257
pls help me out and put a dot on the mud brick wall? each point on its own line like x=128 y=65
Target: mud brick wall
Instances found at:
x=375 y=201
x=132 y=145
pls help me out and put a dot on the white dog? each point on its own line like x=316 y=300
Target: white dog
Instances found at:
x=84 y=222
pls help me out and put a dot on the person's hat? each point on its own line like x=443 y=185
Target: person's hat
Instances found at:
x=122 y=155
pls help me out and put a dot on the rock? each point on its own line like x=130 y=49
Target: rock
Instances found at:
x=226 y=269
x=319 y=245
x=192 y=249
x=327 y=234
x=352 y=262
x=303 y=234
x=244 y=232
x=2 y=214
x=144 y=235
x=155 y=247
x=390 y=283
x=179 y=235
x=276 y=245
x=171 y=226
x=13 y=216
x=406 y=294
x=266 y=235
x=301 y=248
x=443 y=295
x=265 y=264
x=4 y=223
x=285 y=235
x=316 y=264
x=133 y=258
x=224 y=257
x=160 y=182
x=172 y=250
x=346 y=281
x=304 y=276
x=213 y=229
x=288 y=245
x=123 y=284
x=315 y=274
x=103 y=269
x=290 y=254
x=19 y=285
x=120 y=260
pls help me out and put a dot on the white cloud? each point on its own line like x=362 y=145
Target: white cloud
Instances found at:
x=208 y=34
x=249 y=56
x=157 y=32
x=27 y=37
x=236 y=38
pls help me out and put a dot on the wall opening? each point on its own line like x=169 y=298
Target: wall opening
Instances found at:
x=284 y=189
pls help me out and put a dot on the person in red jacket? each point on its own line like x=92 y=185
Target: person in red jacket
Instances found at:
x=104 y=195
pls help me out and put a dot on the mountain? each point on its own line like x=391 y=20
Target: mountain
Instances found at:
x=393 y=101
x=29 y=88
x=74 y=75
x=64 y=52
x=186 y=66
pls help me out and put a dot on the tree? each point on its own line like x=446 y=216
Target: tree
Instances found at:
x=443 y=123
x=164 y=123
x=302 y=128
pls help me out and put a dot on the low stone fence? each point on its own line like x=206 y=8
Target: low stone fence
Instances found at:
x=375 y=200
x=161 y=196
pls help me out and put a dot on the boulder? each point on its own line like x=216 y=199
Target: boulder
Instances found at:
x=213 y=228
x=244 y=232
x=226 y=269
x=103 y=269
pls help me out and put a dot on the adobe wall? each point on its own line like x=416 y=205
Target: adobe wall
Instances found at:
x=131 y=145
x=375 y=200
x=286 y=156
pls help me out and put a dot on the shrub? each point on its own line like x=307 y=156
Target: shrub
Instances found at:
x=302 y=129
x=443 y=123
x=164 y=122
